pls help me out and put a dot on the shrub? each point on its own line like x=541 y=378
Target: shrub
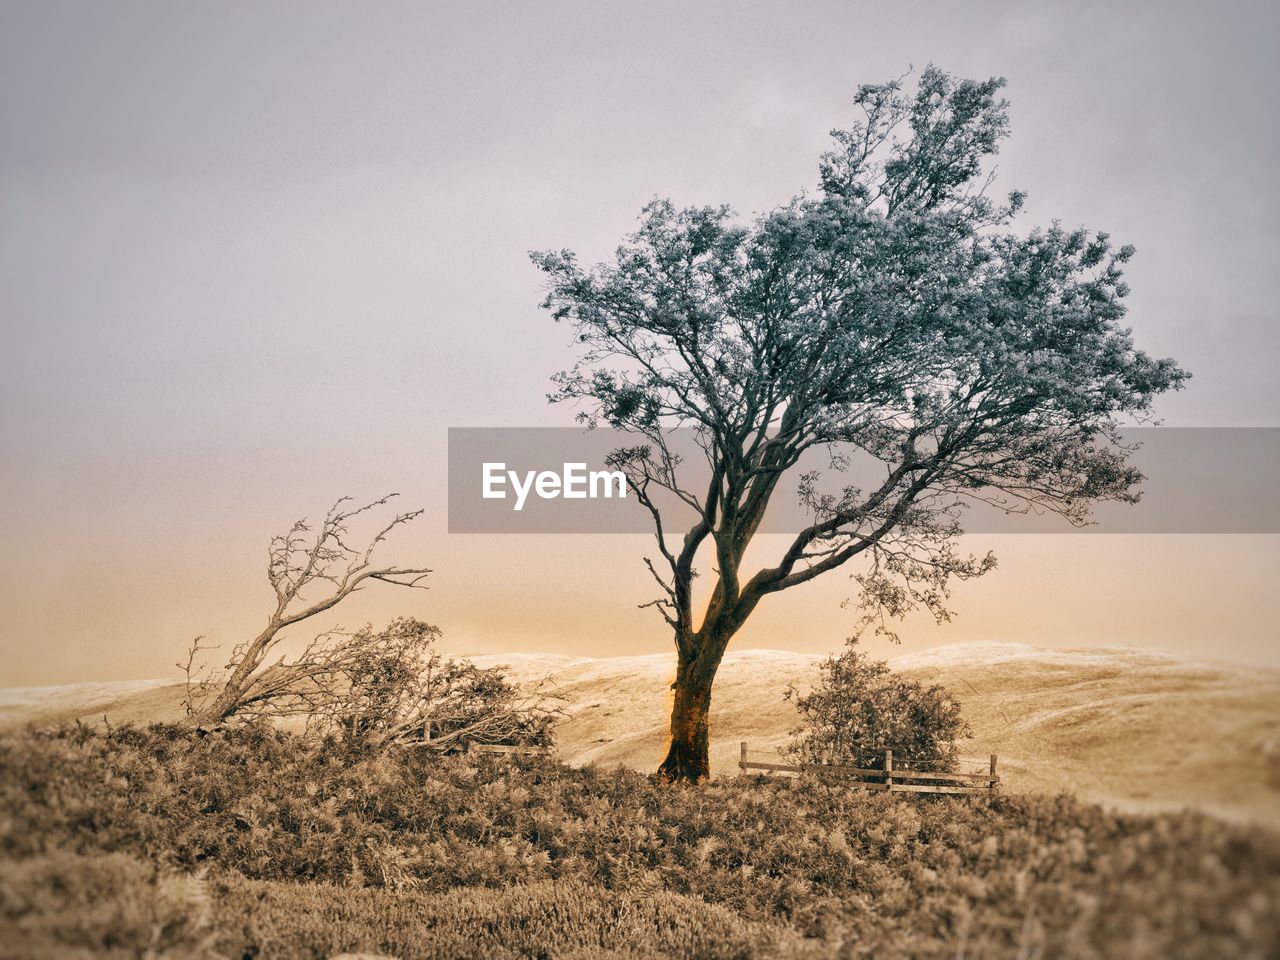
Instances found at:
x=859 y=709
x=297 y=831
x=375 y=684
x=63 y=905
x=394 y=685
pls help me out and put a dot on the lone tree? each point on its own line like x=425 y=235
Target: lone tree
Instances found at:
x=893 y=312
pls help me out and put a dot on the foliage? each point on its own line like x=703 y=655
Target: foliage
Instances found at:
x=63 y=905
x=860 y=708
x=67 y=905
x=580 y=853
x=380 y=681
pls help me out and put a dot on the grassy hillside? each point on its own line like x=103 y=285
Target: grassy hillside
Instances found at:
x=1137 y=728
x=256 y=843
x=1144 y=729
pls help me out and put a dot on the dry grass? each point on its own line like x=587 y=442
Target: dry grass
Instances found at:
x=313 y=848
x=1140 y=729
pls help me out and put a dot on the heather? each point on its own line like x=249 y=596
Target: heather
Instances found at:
x=255 y=841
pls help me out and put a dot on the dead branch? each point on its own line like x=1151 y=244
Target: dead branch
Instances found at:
x=310 y=572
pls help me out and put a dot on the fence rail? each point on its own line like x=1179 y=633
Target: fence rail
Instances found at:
x=507 y=748
x=449 y=745
x=888 y=779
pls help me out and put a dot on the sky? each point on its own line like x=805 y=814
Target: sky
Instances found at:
x=254 y=257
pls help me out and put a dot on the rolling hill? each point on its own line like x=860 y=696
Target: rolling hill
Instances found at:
x=1138 y=728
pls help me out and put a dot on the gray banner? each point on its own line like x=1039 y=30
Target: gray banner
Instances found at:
x=555 y=480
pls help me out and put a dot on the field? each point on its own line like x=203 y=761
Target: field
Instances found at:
x=1136 y=729
x=1139 y=729
x=135 y=838
x=157 y=843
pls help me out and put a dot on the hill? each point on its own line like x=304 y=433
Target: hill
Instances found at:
x=1140 y=729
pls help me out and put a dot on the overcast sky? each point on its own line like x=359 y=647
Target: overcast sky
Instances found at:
x=255 y=256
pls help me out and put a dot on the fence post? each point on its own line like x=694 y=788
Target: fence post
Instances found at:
x=742 y=756
x=994 y=786
x=888 y=771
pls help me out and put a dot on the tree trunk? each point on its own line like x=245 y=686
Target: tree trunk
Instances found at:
x=228 y=698
x=688 y=757
x=224 y=703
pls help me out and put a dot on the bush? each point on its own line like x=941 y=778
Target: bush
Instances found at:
x=860 y=709
x=288 y=821
x=392 y=685
x=96 y=905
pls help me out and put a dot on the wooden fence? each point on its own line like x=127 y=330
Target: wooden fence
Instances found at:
x=471 y=746
x=506 y=748
x=888 y=779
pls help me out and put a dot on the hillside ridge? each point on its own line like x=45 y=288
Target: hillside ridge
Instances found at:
x=1140 y=728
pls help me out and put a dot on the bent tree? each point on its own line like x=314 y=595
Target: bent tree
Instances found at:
x=894 y=313
x=310 y=572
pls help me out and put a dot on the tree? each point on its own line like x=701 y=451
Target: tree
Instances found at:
x=860 y=708
x=296 y=565
x=893 y=312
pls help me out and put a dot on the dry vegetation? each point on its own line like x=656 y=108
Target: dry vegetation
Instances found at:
x=1141 y=729
x=1145 y=730
x=257 y=842
x=154 y=841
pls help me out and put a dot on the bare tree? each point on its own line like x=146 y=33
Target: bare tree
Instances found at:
x=311 y=571
x=200 y=680
x=393 y=686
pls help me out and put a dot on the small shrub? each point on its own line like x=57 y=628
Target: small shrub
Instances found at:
x=860 y=708
x=393 y=685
